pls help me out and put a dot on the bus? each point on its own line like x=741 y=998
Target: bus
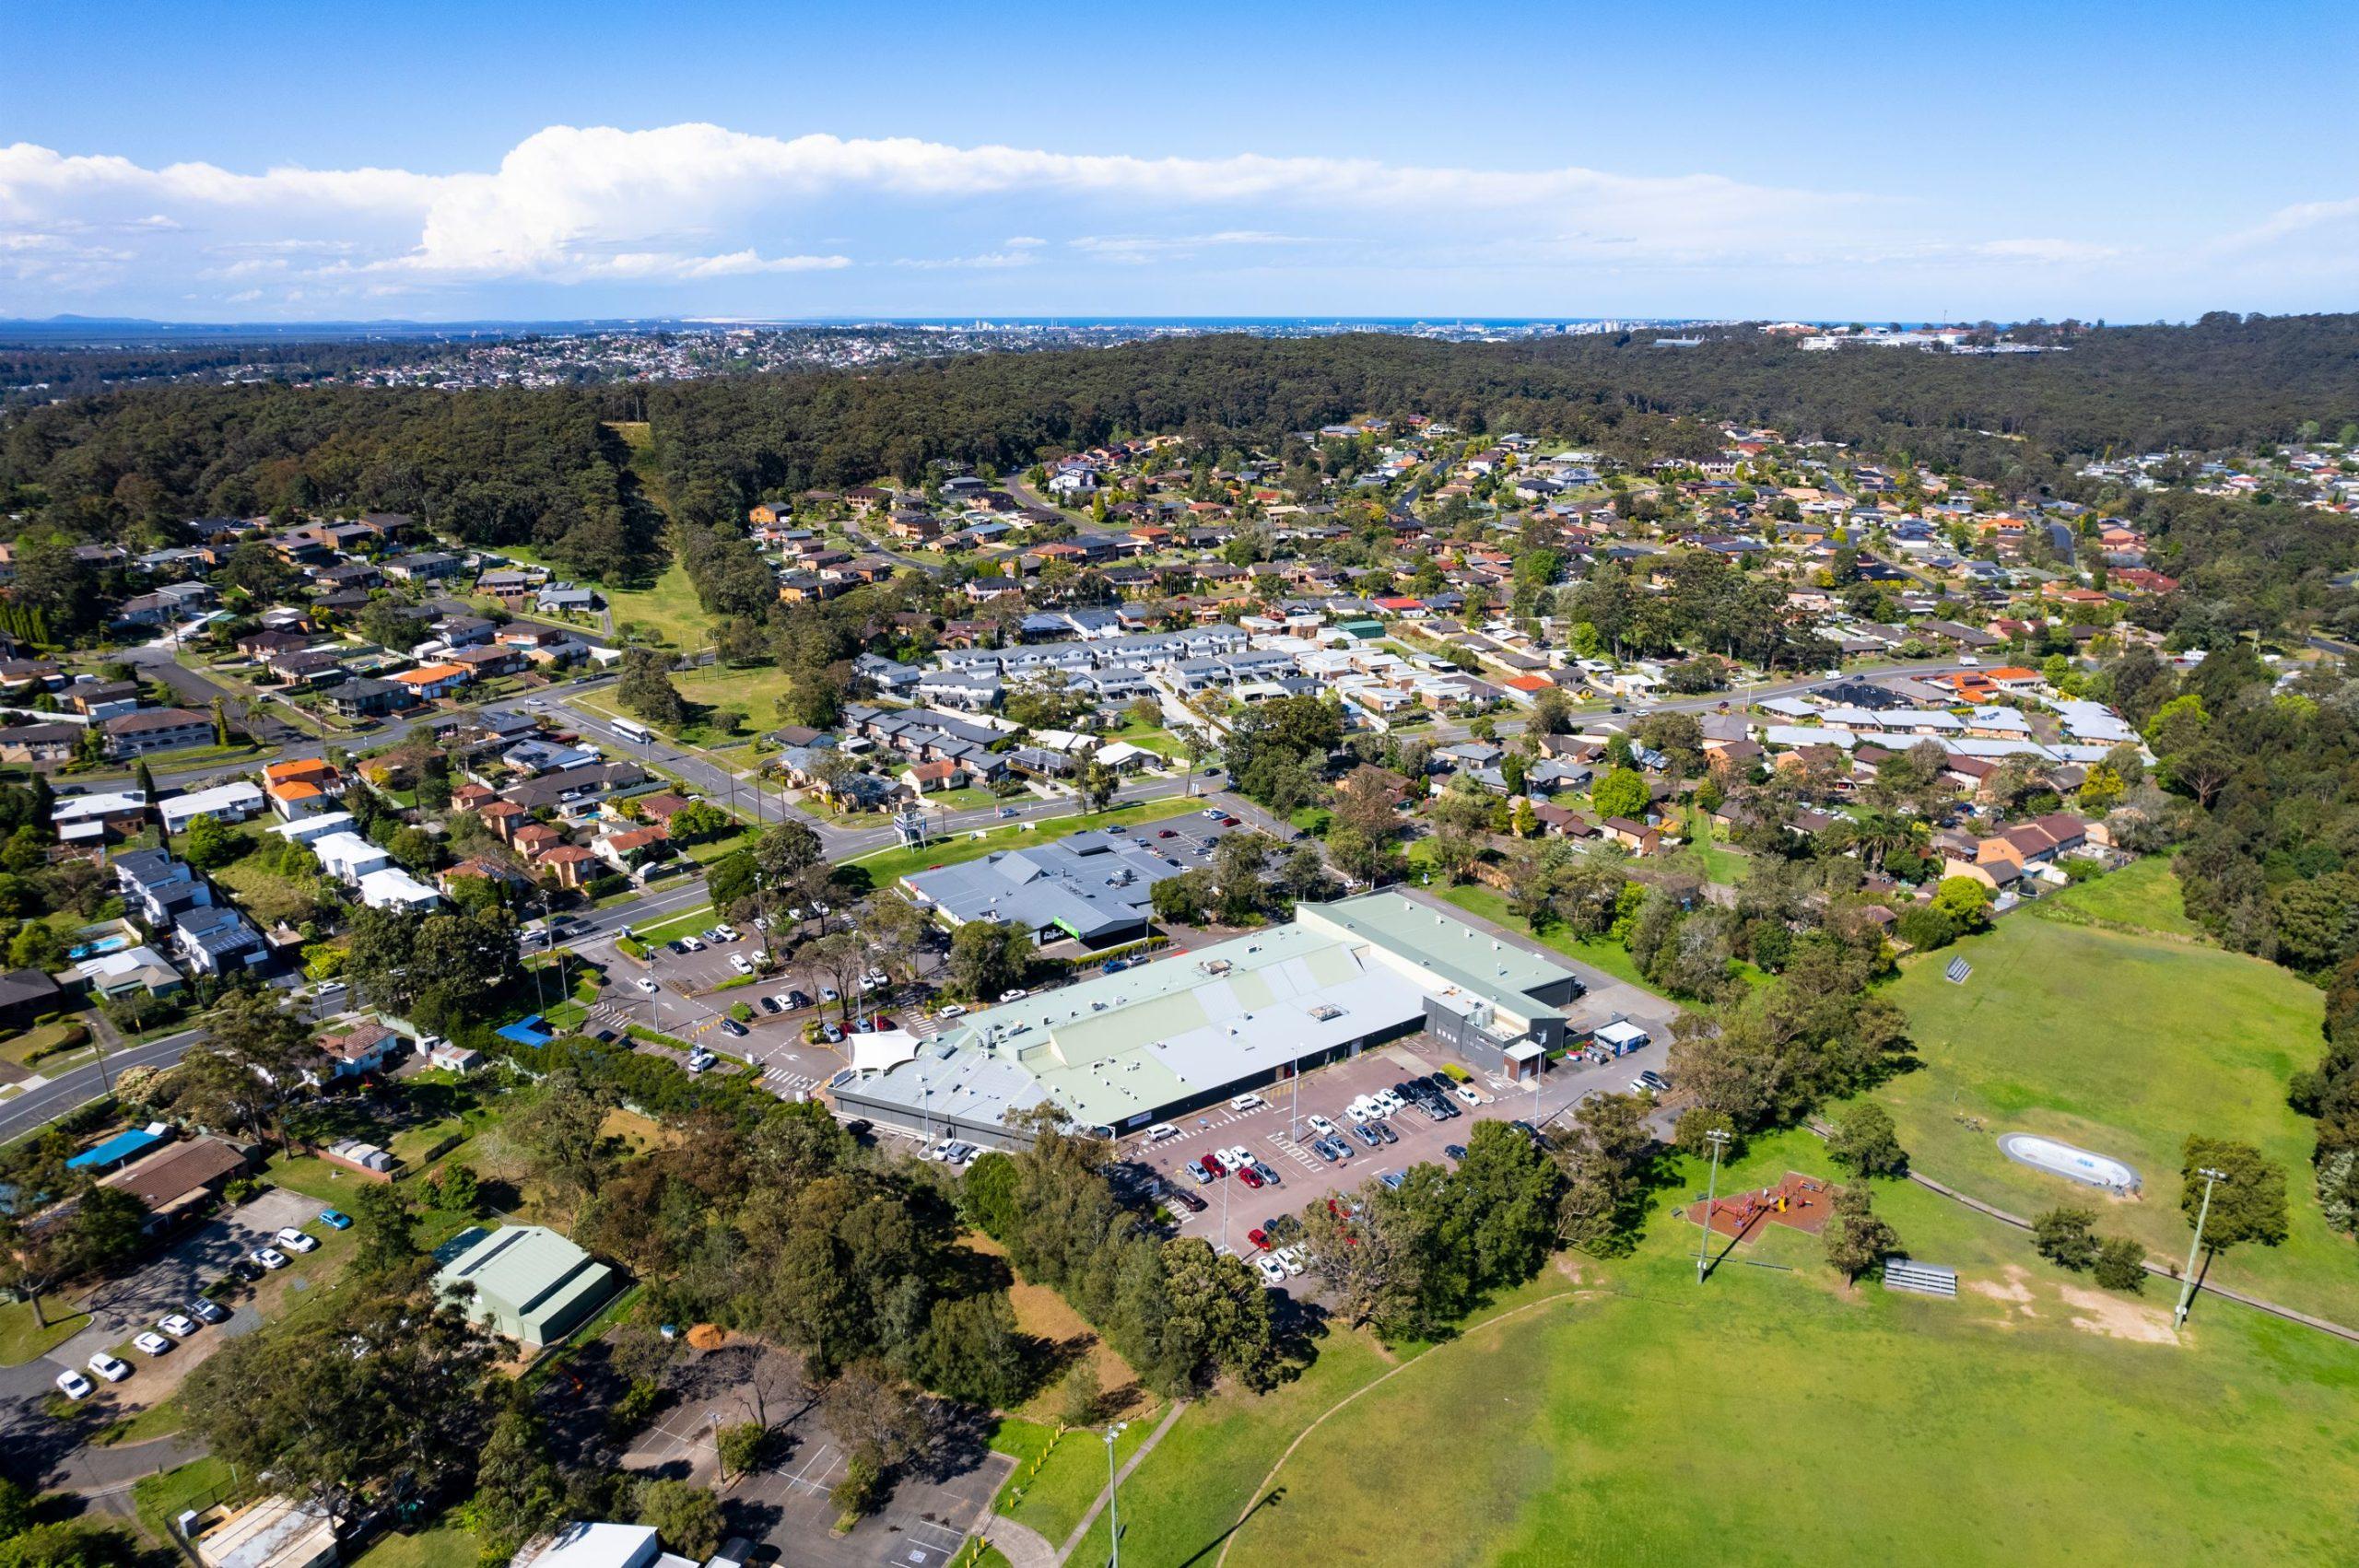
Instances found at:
x=632 y=730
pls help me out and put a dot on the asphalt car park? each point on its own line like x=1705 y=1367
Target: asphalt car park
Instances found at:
x=1281 y=1135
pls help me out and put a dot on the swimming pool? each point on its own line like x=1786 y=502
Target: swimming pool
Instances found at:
x=114 y=943
x=2062 y=1159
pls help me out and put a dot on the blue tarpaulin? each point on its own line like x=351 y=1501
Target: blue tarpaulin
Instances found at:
x=526 y=1032
x=116 y=1150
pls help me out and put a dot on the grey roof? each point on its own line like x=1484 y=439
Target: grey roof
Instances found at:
x=1091 y=885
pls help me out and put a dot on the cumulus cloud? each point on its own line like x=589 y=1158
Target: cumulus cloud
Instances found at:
x=702 y=207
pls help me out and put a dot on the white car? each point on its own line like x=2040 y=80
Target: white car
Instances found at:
x=270 y=1257
x=1968 y=660
x=1243 y=1103
x=938 y=1150
x=1320 y=1125
x=1289 y=1258
x=294 y=1240
x=1468 y=1092
x=1361 y=1111
x=107 y=1367
x=738 y=962
x=728 y=933
x=1018 y=994
x=650 y=987
x=1237 y=1156
x=73 y=1385
x=1272 y=1272
x=956 y=1010
x=179 y=1326
x=151 y=1342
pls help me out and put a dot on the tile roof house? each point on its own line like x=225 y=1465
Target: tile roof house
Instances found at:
x=362 y=1047
x=155 y=730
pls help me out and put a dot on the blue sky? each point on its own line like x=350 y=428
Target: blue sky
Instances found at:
x=274 y=162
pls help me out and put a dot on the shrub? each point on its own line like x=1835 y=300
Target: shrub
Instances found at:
x=2066 y=1236
x=2121 y=1266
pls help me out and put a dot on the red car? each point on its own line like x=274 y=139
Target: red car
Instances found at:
x=1259 y=1239
x=1249 y=1175
x=1230 y=821
x=1212 y=1163
x=1168 y=833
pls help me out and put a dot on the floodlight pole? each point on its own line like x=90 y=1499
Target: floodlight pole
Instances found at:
x=2187 y=1291
x=1719 y=1140
x=1113 y=1499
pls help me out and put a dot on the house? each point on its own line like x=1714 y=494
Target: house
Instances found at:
x=431 y=682
x=155 y=730
x=39 y=743
x=569 y=865
x=628 y=850
x=486 y=663
x=224 y=802
x=391 y=887
x=217 y=940
x=364 y=697
x=430 y=566
x=563 y=598
x=526 y=1282
x=1636 y=837
x=159 y=888
x=347 y=857
x=127 y=971
x=302 y=788
x=26 y=995
x=532 y=840
x=361 y=1047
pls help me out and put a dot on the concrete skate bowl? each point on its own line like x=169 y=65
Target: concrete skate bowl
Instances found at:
x=2062 y=1159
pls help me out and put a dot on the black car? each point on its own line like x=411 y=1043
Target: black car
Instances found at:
x=1455 y=1151
x=769 y=1004
x=249 y=1271
x=1442 y=1083
x=1185 y=1198
x=205 y=1311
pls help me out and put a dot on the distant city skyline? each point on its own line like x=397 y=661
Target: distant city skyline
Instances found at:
x=436 y=162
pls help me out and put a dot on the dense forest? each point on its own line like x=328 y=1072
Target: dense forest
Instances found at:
x=516 y=467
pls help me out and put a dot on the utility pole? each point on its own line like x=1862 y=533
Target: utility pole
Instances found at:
x=1113 y=1498
x=2187 y=1291
x=1720 y=1141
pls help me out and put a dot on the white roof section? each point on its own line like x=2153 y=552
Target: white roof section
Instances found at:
x=219 y=800
x=305 y=829
x=349 y=855
x=393 y=888
x=883 y=1049
x=74 y=808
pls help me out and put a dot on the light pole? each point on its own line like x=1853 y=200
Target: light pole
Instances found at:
x=2187 y=1291
x=1113 y=1497
x=1719 y=1140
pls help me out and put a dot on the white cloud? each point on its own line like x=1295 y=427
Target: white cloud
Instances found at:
x=702 y=206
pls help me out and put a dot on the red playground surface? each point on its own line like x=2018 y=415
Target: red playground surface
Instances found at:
x=1799 y=1202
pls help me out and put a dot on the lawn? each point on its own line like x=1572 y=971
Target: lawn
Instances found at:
x=444 y=1546
x=161 y=1498
x=1617 y=1412
x=1599 y=953
x=887 y=867
x=22 y=1339
x=2142 y=896
x=1052 y=1498
x=2124 y=1044
x=667 y=607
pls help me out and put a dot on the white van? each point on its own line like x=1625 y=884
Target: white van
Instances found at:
x=1161 y=1131
x=1247 y=1102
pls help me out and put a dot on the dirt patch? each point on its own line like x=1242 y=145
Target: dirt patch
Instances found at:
x=641 y=1133
x=708 y=1336
x=1569 y=1266
x=2119 y=1317
x=2014 y=1291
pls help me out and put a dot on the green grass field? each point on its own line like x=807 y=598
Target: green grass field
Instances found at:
x=21 y=1337
x=2124 y=1044
x=667 y=606
x=2143 y=894
x=1619 y=1413
x=1052 y=1498
x=1606 y=955
x=445 y=1546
